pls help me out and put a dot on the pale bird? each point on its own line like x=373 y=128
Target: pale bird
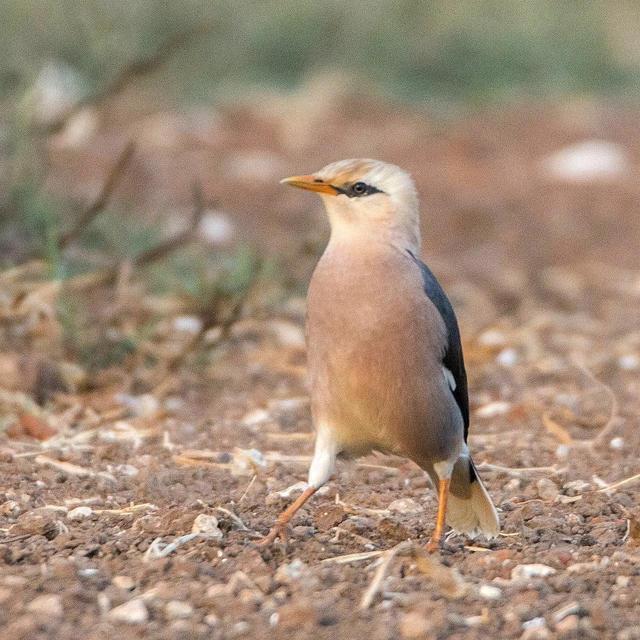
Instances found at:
x=385 y=360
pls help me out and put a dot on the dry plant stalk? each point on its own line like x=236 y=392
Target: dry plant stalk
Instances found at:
x=99 y=204
x=447 y=580
x=129 y=73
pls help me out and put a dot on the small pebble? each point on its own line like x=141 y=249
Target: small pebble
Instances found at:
x=629 y=362
x=405 y=505
x=535 y=629
x=492 y=338
x=49 y=606
x=240 y=628
x=207 y=525
x=493 y=409
x=573 y=608
x=568 y=627
x=132 y=612
x=211 y=620
x=290 y=572
x=547 y=489
x=256 y=417
x=575 y=487
x=176 y=609
x=187 y=324
x=79 y=513
x=507 y=357
x=123 y=582
x=617 y=443
x=489 y=592
x=10 y=508
x=526 y=571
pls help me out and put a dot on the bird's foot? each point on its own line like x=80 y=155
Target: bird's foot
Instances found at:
x=433 y=546
x=279 y=530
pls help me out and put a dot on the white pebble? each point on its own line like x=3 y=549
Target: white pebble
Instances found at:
x=507 y=357
x=617 y=443
x=132 y=612
x=526 y=571
x=623 y=581
x=49 y=605
x=207 y=525
x=489 y=592
x=79 y=513
x=256 y=417
x=492 y=409
x=177 y=609
x=294 y=570
x=535 y=629
x=144 y=405
x=187 y=324
x=405 y=505
x=629 y=362
x=211 y=620
x=492 y=338
x=547 y=489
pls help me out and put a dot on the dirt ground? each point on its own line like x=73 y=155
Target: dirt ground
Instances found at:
x=544 y=271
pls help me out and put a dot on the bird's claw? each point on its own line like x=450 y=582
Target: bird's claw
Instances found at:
x=279 y=530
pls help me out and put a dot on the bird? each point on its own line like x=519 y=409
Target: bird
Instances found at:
x=384 y=354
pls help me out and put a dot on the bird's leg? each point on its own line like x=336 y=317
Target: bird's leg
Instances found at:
x=279 y=529
x=443 y=494
x=322 y=465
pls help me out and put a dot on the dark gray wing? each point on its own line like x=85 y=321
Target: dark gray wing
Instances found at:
x=453 y=359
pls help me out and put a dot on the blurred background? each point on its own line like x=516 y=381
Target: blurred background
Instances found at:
x=141 y=146
x=152 y=282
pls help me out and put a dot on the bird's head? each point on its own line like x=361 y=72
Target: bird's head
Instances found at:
x=368 y=198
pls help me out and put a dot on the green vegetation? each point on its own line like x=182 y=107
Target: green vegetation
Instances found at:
x=420 y=50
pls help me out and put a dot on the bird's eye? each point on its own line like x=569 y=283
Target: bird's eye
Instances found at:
x=359 y=188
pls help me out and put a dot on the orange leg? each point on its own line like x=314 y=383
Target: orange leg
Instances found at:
x=443 y=494
x=279 y=529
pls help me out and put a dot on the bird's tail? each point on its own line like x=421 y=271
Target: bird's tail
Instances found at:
x=469 y=507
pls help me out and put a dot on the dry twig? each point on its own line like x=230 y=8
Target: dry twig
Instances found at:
x=131 y=72
x=387 y=558
x=98 y=205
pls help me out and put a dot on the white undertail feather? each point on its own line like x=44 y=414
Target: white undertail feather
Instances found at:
x=474 y=515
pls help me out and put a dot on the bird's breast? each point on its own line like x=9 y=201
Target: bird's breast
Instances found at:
x=375 y=344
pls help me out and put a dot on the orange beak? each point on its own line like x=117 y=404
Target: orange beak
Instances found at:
x=311 y=183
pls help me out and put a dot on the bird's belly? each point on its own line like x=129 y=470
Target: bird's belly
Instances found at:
x=381 y=393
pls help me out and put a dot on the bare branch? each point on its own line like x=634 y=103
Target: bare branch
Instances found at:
x=131 y=72
x=98 y=205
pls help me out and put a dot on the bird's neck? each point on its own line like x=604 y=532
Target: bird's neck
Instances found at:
x=349 y=235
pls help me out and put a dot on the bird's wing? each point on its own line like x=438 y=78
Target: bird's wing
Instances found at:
x=453 y=359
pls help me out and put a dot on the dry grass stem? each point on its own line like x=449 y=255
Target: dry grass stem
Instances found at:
x=376 y=583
